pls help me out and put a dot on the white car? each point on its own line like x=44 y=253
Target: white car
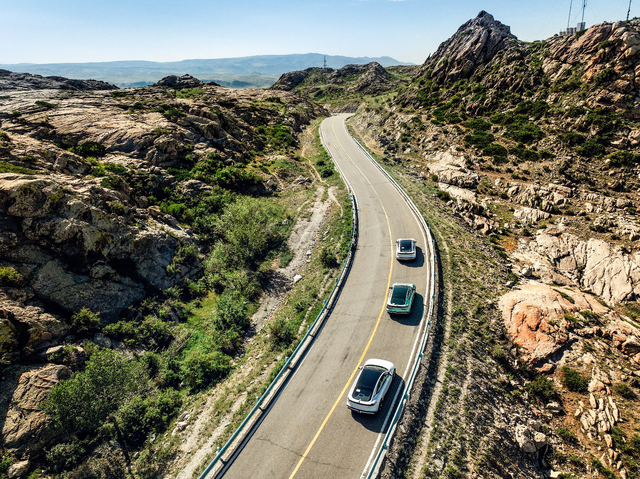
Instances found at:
x=406 y=249
x=371 y=385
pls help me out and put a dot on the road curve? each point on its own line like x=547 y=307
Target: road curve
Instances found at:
x=309 y=432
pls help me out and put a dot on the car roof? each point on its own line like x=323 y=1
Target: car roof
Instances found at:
x=399 y=293
x=380 y=362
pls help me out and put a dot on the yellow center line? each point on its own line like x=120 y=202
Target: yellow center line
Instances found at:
x=373 y=333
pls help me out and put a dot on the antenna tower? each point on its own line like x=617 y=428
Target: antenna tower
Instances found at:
x=569 y=19
x=629 y=10
x=325 y=62
x=584 y=7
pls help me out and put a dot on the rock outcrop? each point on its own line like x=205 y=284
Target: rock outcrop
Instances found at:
x=475 y=43
x=534 y=316
x=26 y=327
x=369 y=79
x=23 y=390
x=75 y=252
x=27 y=81
x=184 y=81
x=594 y=265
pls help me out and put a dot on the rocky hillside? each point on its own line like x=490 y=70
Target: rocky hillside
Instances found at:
x=535 y=147
x=27 y=81
x=351 y=81
x=111 y=203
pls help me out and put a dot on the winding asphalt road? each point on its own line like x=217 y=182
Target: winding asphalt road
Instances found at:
x=309 y=432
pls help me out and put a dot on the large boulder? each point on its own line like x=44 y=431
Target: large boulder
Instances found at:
x=22 y=392
x=26 y=327
x=534 y=313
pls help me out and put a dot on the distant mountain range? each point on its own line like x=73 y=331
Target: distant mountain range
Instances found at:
x=255 y=71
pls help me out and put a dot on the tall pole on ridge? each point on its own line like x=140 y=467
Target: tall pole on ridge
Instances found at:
x=569 y=19
x=629 y=11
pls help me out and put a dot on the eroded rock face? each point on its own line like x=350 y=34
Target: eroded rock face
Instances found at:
x=475 y=43
x=26 y=327
x=23 y=390
x=534 y=317
x=75 y=253
x=594 y=265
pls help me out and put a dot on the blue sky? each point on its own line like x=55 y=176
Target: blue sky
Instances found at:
x=49 y=31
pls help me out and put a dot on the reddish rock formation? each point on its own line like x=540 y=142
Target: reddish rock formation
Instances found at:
x=534 y=317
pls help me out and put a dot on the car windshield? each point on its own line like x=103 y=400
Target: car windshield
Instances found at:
x=399 y=294
x=367 y=383
x=406 y=246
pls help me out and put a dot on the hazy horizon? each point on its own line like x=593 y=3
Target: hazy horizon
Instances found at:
x=74 y=31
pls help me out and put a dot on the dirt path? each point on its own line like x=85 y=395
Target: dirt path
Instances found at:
x=305 y=235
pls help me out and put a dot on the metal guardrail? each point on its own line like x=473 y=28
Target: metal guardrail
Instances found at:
x=276 y=385
x=374 y=469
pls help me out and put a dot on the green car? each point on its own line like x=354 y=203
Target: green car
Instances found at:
x=401 y=298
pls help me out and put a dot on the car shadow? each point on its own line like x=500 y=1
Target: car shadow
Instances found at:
x=416 y=263
x=376 y=422
x=415 y=316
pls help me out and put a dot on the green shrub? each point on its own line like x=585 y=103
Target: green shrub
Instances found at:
x=542 y=388
x=496 y=151
x=151 y=332
x=9 y=168
x=231 y=313
x=326 y=171
x=85 y=321
x=89 y=148
x=281 y=333
x=173 y=113
x=82 y=402
x=566 y=434
x=276 y=136
x=9 y=276
x=143 y=415
x=523 y=153
x=479 y=139
x=591 y=148
x=598 y=466
x=112 y=182
x=200 y=369
x=571 y=138
x=574 y=380
x=624 y=390
x=605 y=76
x=443 y=195
x=523 y=132
x=498 y=353
x=45 y=104
x=6 y=459
x=477 y=124
x=529 y=108
x=327 y=258
x=623 y=159
x=65 y=456
x=190 y=92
